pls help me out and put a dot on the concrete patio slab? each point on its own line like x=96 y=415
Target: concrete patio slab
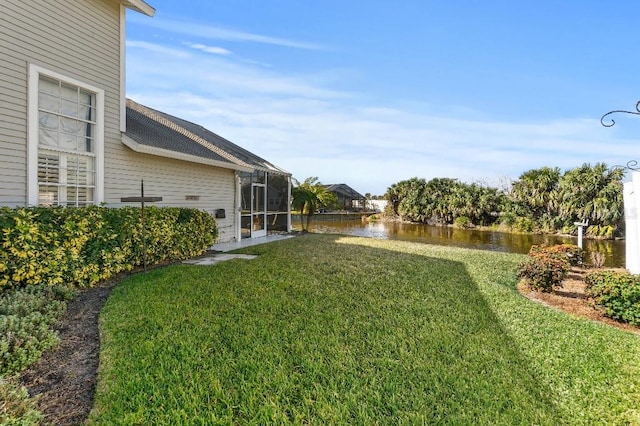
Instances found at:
x=217 y=258
x=247 y=242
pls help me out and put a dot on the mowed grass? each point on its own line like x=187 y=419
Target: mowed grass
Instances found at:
x=341 y=330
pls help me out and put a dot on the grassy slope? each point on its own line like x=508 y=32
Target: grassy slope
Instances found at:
x=331 y=329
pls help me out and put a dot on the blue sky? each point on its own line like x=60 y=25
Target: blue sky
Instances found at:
x=371 y=93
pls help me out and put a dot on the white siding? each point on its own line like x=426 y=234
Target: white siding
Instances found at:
x=81 y=39
x=76 y=38
x=172 y=180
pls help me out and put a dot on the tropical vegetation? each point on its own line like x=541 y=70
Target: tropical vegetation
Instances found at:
x=325 y=329
x=309 y=196
x=540 y=200
x=442 y=200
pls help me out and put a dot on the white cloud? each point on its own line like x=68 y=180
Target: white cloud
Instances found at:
x=157 y=48
x=219 y=74
x=340 y=144
x=209 y=49
x=303 y=125
x=195 y=29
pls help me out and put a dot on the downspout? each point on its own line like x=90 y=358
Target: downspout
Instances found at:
x=123 y=81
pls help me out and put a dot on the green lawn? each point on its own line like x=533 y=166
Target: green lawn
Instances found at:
x=331 y=329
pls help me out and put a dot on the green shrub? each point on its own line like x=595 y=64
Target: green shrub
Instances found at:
x=546 y=266
x=462 y=222
x=507 y=219
x=617 y=293
x=80 y=247
x=15 y=406
x=524 y=224
x=27 y=317
x=544 y=271
x=601 y=231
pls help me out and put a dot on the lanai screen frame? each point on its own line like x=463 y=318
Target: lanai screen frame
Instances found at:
x=278 y=201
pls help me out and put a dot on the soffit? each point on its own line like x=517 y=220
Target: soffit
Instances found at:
x=139 y=6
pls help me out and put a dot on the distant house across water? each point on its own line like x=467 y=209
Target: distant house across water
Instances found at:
x=348 y=198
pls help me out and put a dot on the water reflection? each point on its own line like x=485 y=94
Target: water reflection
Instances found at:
x=471 y=238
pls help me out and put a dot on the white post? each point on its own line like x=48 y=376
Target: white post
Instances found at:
x=580 y=225
x=580 y=235
x=631 y=192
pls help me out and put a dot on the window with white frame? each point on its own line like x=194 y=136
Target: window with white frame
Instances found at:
x=65 y=141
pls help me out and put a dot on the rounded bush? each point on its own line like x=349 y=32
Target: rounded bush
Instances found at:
x=462 y=222
x=617 y=293
x=544 y=271
x=524 y=224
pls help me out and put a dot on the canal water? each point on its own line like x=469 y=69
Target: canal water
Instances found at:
x=444 y=235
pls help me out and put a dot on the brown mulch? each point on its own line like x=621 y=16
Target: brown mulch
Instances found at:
x=572 y=299
x=65 y=377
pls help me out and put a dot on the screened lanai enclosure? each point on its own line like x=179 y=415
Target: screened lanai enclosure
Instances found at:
x=264 y=201
x=348 y=198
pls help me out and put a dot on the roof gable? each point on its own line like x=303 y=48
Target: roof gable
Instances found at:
x=157 y=130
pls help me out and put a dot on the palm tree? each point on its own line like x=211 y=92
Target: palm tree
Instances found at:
x=537 y=189
x=309 y=196
x=406 y=199
x=592 y=193
x=444 y=199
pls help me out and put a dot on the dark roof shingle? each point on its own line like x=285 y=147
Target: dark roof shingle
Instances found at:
x=153 y=128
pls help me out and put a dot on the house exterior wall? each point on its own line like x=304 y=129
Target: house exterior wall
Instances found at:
x=80 y=39
x=77 y=38
x=173 y=180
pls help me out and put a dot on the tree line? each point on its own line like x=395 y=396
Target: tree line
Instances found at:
x=543 y=200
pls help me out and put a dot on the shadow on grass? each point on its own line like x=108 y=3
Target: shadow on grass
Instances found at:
x=314 y=331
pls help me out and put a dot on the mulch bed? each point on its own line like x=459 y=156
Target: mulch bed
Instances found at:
x=572 y=299
x=65 y=377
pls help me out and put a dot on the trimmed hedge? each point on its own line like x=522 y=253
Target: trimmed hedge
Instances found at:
x=617 y=293
x=82 y=246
